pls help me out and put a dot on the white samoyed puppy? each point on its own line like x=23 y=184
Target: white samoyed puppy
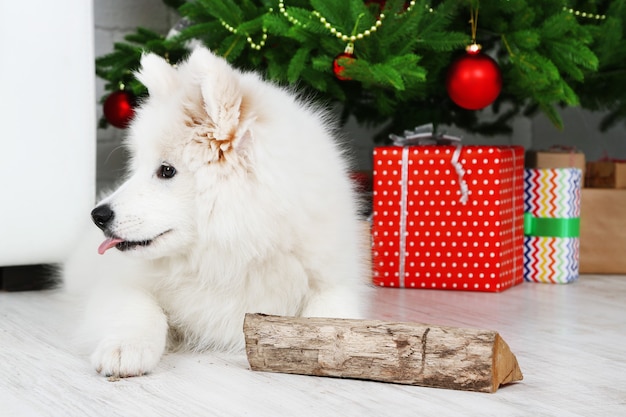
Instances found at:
x=238 y=200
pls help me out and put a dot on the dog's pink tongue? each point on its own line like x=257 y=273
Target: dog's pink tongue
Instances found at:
x=109 y=243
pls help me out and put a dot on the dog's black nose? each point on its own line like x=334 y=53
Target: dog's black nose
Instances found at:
x=102 y=215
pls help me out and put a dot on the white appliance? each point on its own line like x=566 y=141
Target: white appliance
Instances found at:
x=47 y=128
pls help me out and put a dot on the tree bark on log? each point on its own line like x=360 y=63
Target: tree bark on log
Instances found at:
x=401 y=353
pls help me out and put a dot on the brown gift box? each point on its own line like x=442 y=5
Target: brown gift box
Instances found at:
x=603 y=231
x=555 y=158
x=607 y=174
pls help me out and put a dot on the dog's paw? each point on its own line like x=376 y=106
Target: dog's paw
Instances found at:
x=126 y=358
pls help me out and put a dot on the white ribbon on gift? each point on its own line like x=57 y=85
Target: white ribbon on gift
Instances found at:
x=423 y=135
x=404 y=179
x=460 y=172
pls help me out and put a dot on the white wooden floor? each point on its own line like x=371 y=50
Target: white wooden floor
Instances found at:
x=570 y=341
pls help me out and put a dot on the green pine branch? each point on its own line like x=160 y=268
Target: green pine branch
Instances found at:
x=549 y=57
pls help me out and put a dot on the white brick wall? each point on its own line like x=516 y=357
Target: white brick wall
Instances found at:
x=115 y=18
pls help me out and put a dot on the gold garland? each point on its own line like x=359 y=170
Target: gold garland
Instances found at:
x=333 y=30
x=358 y=36
x=253 y=45
x=584 y=14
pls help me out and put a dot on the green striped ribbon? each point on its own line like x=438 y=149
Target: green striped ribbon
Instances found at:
x=551 y=227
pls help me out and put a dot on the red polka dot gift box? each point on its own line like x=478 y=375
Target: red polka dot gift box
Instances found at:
x=448 y=217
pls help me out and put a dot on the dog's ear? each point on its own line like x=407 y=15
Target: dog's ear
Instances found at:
x=158 y=76
x=224 y=101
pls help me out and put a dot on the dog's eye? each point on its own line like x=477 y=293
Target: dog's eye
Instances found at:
x=166 y=171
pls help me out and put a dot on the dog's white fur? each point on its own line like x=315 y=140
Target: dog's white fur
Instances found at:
x=260 y=217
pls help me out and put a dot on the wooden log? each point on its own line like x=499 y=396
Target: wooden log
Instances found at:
x=401 y=353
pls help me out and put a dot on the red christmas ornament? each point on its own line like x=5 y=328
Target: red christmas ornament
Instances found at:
x=119 y=108
x=474 y=80
x=348 y=57
x=362 y=181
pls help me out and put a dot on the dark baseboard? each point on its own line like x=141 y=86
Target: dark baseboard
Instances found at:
x=27 y=278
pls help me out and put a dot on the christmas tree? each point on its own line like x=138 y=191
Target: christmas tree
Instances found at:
x=390 y=60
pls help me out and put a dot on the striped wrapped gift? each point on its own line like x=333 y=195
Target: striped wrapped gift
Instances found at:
x=551 y=224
